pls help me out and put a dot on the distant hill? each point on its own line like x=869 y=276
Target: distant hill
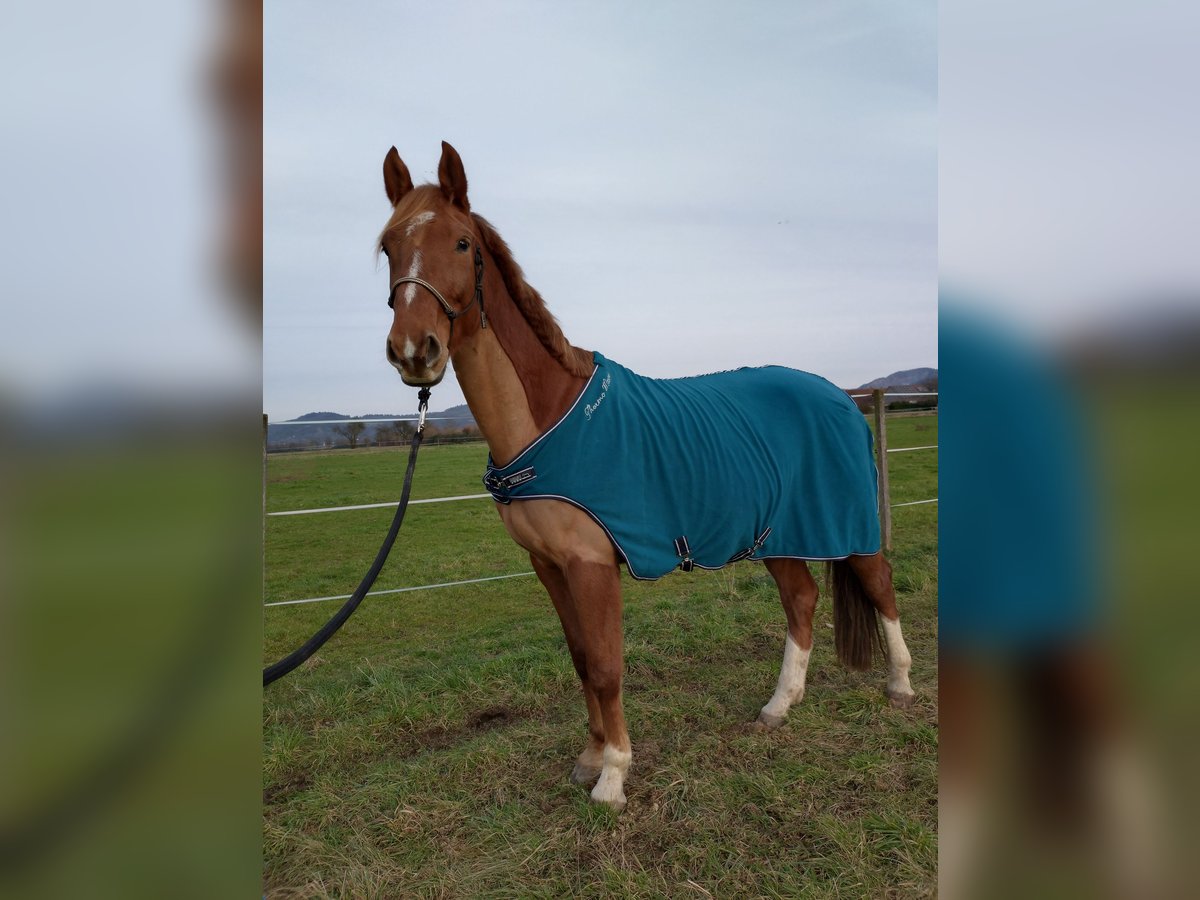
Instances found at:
x=284 y=436
x=908 y=378
x=908 y=381
x=455 y=417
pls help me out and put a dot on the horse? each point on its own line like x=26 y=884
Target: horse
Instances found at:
x=457 y=294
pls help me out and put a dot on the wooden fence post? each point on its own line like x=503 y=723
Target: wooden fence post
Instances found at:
x=885 y=503
x=262 y=523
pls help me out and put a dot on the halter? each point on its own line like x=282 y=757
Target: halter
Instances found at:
x=451 y=312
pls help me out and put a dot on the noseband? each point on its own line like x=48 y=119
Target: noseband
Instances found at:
x=451 y=312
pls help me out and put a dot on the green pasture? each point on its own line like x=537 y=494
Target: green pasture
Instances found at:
x=425 y=751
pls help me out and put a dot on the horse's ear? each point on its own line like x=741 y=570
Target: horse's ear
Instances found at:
x=396 y=180
x=453 y=178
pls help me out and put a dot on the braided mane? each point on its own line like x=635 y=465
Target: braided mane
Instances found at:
x=531 y=305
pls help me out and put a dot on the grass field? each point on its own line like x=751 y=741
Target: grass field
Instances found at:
x=425 y=751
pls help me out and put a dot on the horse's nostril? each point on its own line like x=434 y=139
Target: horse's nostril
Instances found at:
x=433 y=350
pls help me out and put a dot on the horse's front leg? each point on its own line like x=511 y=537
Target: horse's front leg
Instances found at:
x=595 y=588
x=591 y=760
x=578 y=565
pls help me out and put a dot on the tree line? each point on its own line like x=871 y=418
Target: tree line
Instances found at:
x=399 y=432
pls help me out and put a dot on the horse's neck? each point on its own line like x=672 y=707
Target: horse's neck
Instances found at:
x=514 y=387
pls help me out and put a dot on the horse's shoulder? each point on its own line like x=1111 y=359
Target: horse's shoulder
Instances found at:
x=556 y=530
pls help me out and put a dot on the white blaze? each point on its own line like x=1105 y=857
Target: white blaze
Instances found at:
x=417 y=221
x=410 y=290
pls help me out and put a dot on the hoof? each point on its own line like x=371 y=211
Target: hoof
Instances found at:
x=616 y=804
x=898 y=700
x=584 y=775
x=610 y=791
x=768 y=722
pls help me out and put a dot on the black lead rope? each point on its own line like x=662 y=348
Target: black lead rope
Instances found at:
x=314 y=643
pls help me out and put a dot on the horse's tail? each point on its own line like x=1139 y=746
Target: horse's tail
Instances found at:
x=856 y=634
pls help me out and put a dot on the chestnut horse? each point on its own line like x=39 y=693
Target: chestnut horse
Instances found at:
x=457 y=294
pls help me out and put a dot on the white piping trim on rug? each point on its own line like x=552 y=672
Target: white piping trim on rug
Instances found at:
x=545 y=434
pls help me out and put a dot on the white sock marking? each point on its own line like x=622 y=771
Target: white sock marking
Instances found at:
x=792 y=675
x=899 y=659
x=610 y=787
x=414 y=270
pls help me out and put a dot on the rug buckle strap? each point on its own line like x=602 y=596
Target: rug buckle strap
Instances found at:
x=684 y=552
x=752 y=549
x=500 y=487
x=761 y=539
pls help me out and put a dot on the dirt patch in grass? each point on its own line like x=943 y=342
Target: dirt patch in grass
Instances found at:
x=283 y=790
x=752 y=646
x=491 y=718
x=284 y=479
x=428 y=741
x=409 y=745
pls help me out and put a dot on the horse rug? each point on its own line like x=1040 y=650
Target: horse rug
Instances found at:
x=755 y=463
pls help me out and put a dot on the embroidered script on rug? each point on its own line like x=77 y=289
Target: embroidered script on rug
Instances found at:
x=592 y=407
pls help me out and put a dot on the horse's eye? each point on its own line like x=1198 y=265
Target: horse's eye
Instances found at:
x=463 y=245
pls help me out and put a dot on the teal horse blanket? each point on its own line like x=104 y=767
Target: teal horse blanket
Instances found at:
x=704 y=471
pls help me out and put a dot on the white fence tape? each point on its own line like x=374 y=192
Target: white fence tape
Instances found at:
x=388 y=421
x=887 y=394
x=305 y=512
x=403 y=590
x=446 y=584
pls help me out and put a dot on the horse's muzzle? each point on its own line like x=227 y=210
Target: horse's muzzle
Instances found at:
x=424 y=370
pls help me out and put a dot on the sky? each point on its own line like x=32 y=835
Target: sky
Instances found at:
x=109 y=220
x=691 y=186
x=1067 y=145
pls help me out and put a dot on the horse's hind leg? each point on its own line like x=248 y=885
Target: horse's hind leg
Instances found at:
x=591 y=760
x=798 y=593
x=875 y=575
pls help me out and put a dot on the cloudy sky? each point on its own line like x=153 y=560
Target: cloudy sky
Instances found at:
x=1067 y=186
x=691 y=186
